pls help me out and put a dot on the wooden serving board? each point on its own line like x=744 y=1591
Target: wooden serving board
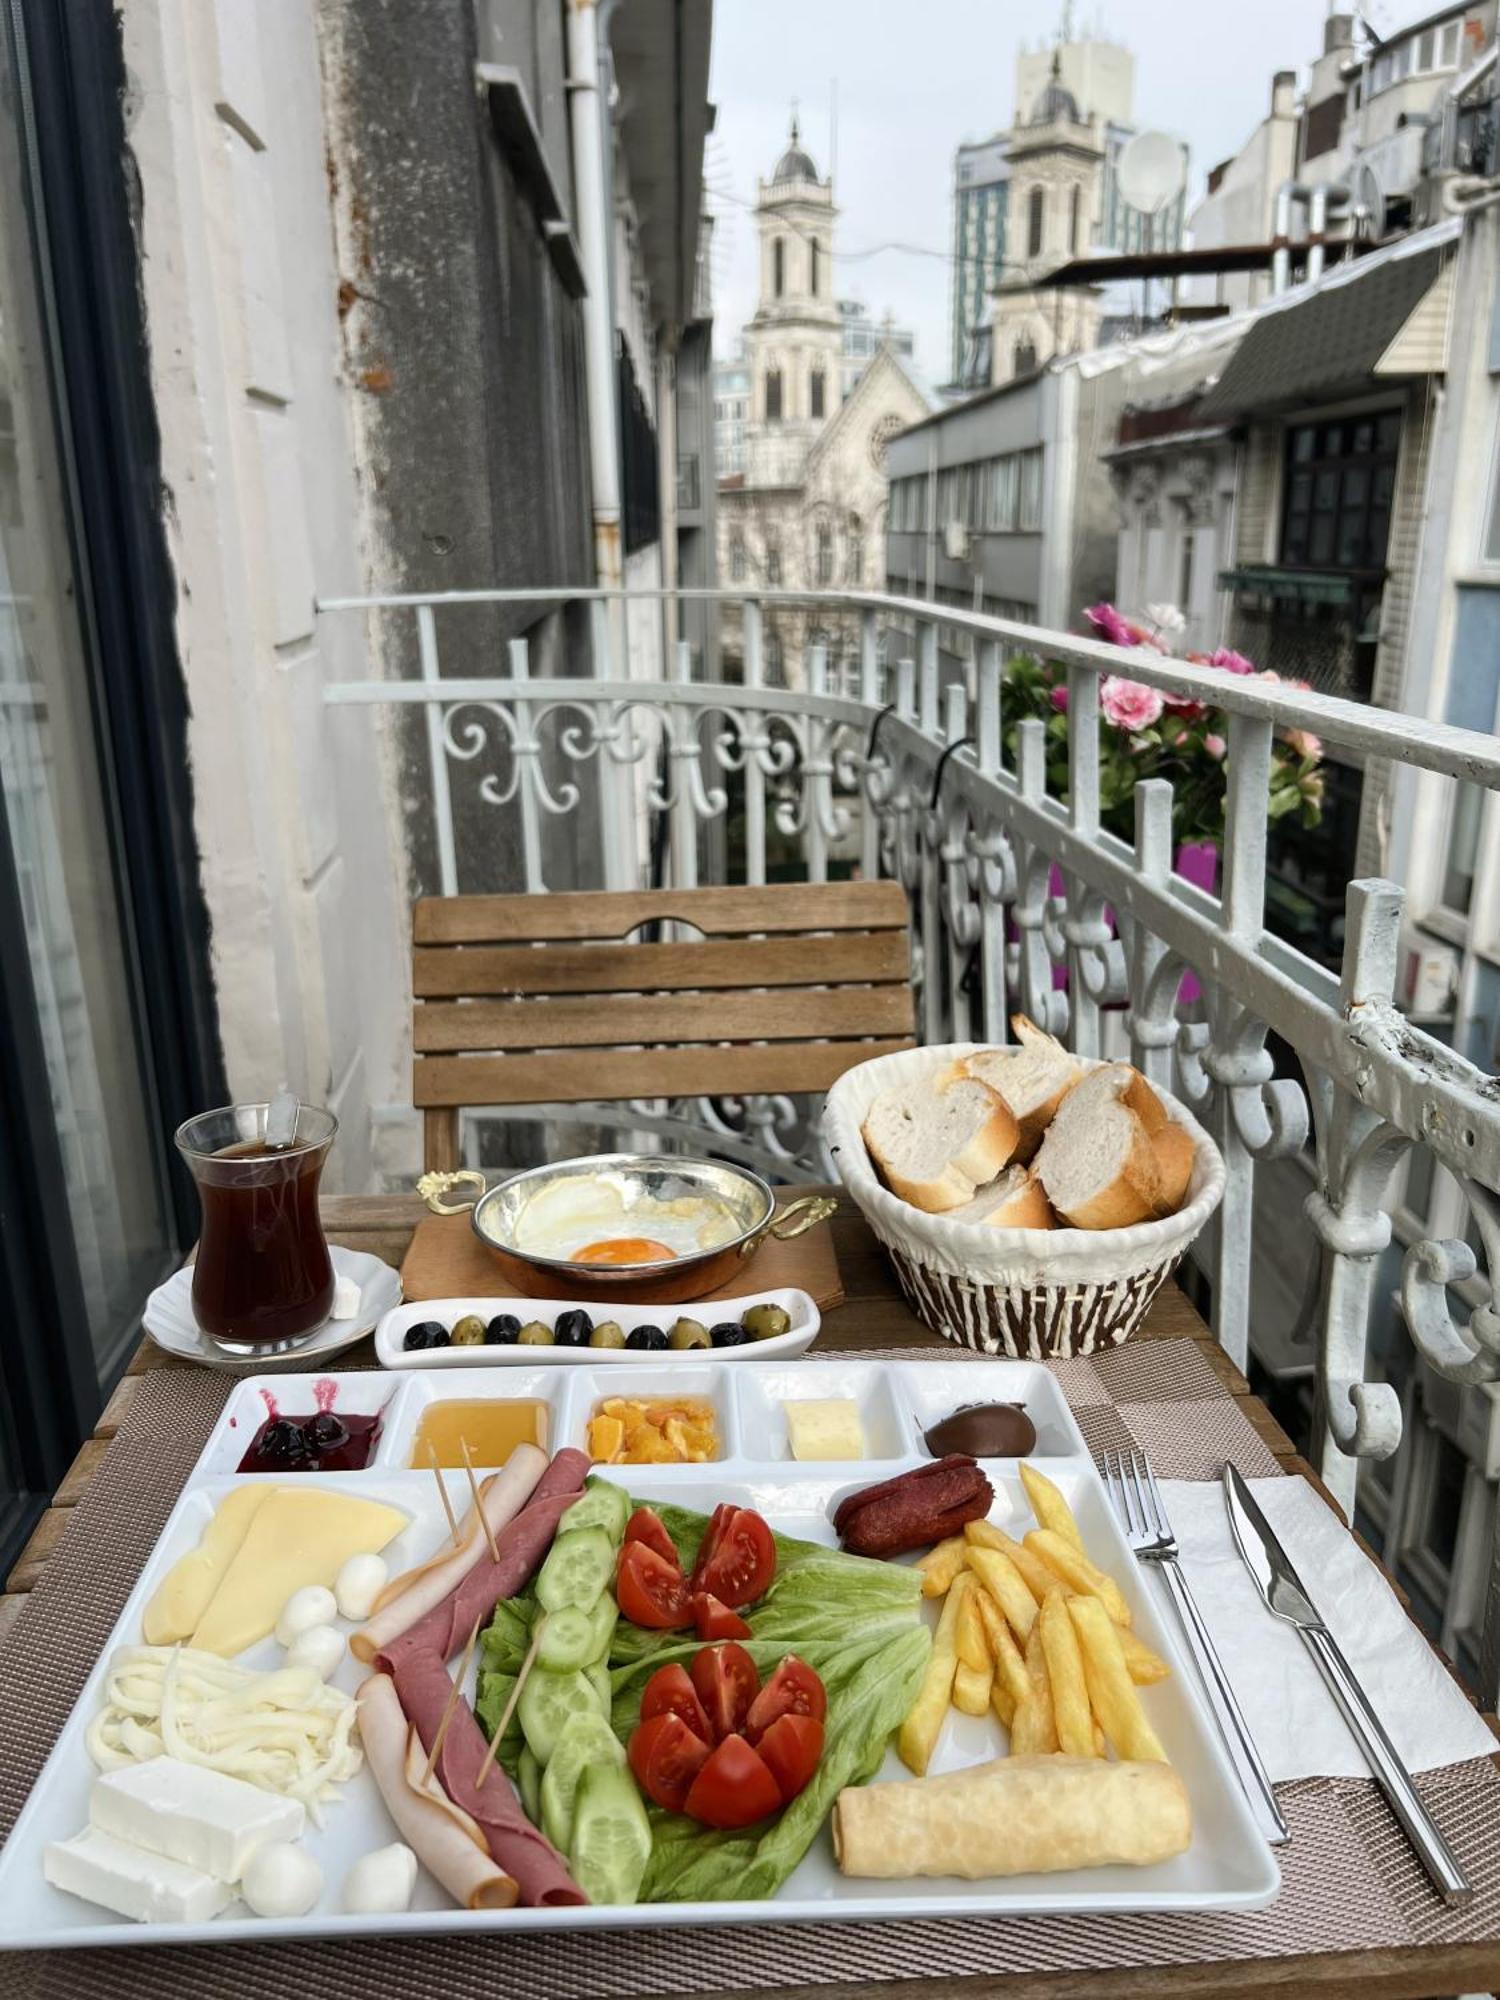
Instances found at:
x=446 y=1260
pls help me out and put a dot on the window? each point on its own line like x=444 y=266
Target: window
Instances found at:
x=775 y=660
x=736 y=557
x=812 y=270
x=1450 y=45
x=825 y=553
x=1024 y=358
x=1031 y=490
x=773 y=561
x=773 y=395
x=1035 y=214
x=856 y=552
x=1007 y=482
x=1075 y=210
x=1380 y=72
x=1340 y=480
x=1462 y=856
x=1185 y=572
x=778 y=266
x=1425 y=47
x=815 y=390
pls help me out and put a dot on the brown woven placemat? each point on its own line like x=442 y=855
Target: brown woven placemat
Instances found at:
x=1349 y=1881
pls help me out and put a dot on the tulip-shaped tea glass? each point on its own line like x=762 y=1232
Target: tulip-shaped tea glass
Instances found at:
x=263 y=1280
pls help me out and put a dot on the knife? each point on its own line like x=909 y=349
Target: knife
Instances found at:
x=1286 y=1598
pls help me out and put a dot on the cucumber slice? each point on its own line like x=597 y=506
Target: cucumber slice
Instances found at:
x=599 y=1505
x=586 y=1740
x=598 y=1679
x=605 y=1616
x=529 y=1778
x=547 y=1701
x=567 y=1639
x=611 y=1841
x=580 y=1566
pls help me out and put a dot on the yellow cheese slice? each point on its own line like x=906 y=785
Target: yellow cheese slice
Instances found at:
x=297 y=1536
x=184 y=1593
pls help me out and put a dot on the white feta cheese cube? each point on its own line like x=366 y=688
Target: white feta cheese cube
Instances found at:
x=151 y=1888
x=205 y=1819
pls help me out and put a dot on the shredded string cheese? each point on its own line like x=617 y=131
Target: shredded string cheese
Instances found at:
x=286 y=1731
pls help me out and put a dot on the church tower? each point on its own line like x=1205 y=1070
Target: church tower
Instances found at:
x=794 y=343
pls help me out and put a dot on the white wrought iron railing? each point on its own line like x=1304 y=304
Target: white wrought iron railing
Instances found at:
x=878 y=759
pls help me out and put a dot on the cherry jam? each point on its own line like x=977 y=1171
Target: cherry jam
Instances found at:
x=325 y=1441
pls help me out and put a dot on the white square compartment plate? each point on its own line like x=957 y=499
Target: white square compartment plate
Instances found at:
x=1228 y=1865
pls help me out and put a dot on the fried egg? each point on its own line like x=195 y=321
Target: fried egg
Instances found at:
x=591 y=1221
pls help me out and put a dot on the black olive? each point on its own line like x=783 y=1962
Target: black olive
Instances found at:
x=650 y=1337
x=503 y=1328
x=572 y=1328
x=426 y=1333
x=325 y=1431
x=283 y=1440
x=729 y=1333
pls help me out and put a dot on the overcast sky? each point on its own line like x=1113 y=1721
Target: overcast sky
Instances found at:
x=916 y=77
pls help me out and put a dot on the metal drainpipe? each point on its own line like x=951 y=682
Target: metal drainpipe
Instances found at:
x=587 y=26
x=666 y=480
x=1281 y=234
x=1326 y=197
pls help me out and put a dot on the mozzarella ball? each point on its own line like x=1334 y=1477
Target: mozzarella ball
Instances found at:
x=312 y=1605
x=381 y=1882
x=319 y=1647
x=357 y=1586
x=281 y=1879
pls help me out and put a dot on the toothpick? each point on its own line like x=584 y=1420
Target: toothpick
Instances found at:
x=484 y=1519
x=510 y=1707
x=448 y=1713
x=442 y=1486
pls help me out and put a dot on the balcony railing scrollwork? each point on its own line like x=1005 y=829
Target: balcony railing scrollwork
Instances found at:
x=886 y=758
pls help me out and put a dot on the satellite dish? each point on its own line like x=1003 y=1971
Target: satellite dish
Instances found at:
x=1151 y=171
x=1367 y=203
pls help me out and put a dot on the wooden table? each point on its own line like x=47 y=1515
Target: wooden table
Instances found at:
x=875 y=1316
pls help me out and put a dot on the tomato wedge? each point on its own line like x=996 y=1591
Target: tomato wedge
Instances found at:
x=738 y=1558
x=726 y=1683
x=794 y=1689
x=646 y=1525
x=666 y=1757
x=652 y=1591
x=715 y=1620
x=790 y=1750
x=670 y=1692
x=734 y=1787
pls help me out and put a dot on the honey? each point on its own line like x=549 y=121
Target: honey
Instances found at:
x=492 y=1427
x=653 y=1430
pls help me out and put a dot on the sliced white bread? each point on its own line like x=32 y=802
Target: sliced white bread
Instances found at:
x=1175 y=1152
x=1033 y=1078
x=1097 y=1162
x=934 y=1146
x=1015 y=1201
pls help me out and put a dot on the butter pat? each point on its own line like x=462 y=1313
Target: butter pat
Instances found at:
x=825 y=1428
x=204 y=1819
x=148 y=1887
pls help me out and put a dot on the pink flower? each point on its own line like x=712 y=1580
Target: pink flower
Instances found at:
x=1130 y=704
x=1215 y=746
x=1302 y=743
x=1185 y=706
x=1108 y=623
x=1231 y=662
x=1060 y=699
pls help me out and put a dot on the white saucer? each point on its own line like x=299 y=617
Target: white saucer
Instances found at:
x=168 y=1319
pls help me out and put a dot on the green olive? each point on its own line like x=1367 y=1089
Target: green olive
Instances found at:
x=688 y=1333
x=470 y=1331
x=534 y=1334
x=608 y=1333
x=765 y=1322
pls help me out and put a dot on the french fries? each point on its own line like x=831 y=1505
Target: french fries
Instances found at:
x=1049 y=1506
x=1075 y=1570
x=919 y=1733
x=1070 y=1697
x=1037 y=1634
x=1111 y=1694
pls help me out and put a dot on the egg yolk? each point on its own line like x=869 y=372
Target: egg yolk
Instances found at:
x=623 y=1250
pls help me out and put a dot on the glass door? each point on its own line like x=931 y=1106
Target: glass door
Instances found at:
x=90 y=1219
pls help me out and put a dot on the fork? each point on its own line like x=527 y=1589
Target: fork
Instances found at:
x=1136 y=1499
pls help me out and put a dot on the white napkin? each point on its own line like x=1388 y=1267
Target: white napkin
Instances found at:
x=1297 y=1726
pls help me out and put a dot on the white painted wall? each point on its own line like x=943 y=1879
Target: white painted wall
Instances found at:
x=295 y=809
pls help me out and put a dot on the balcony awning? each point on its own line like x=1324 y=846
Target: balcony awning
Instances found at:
x=1326 y=345
x=1303 y=586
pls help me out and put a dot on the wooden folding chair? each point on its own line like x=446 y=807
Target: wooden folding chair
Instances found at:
x=544 y=1000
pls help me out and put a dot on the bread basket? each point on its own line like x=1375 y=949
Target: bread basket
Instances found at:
x=1036 y=1294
